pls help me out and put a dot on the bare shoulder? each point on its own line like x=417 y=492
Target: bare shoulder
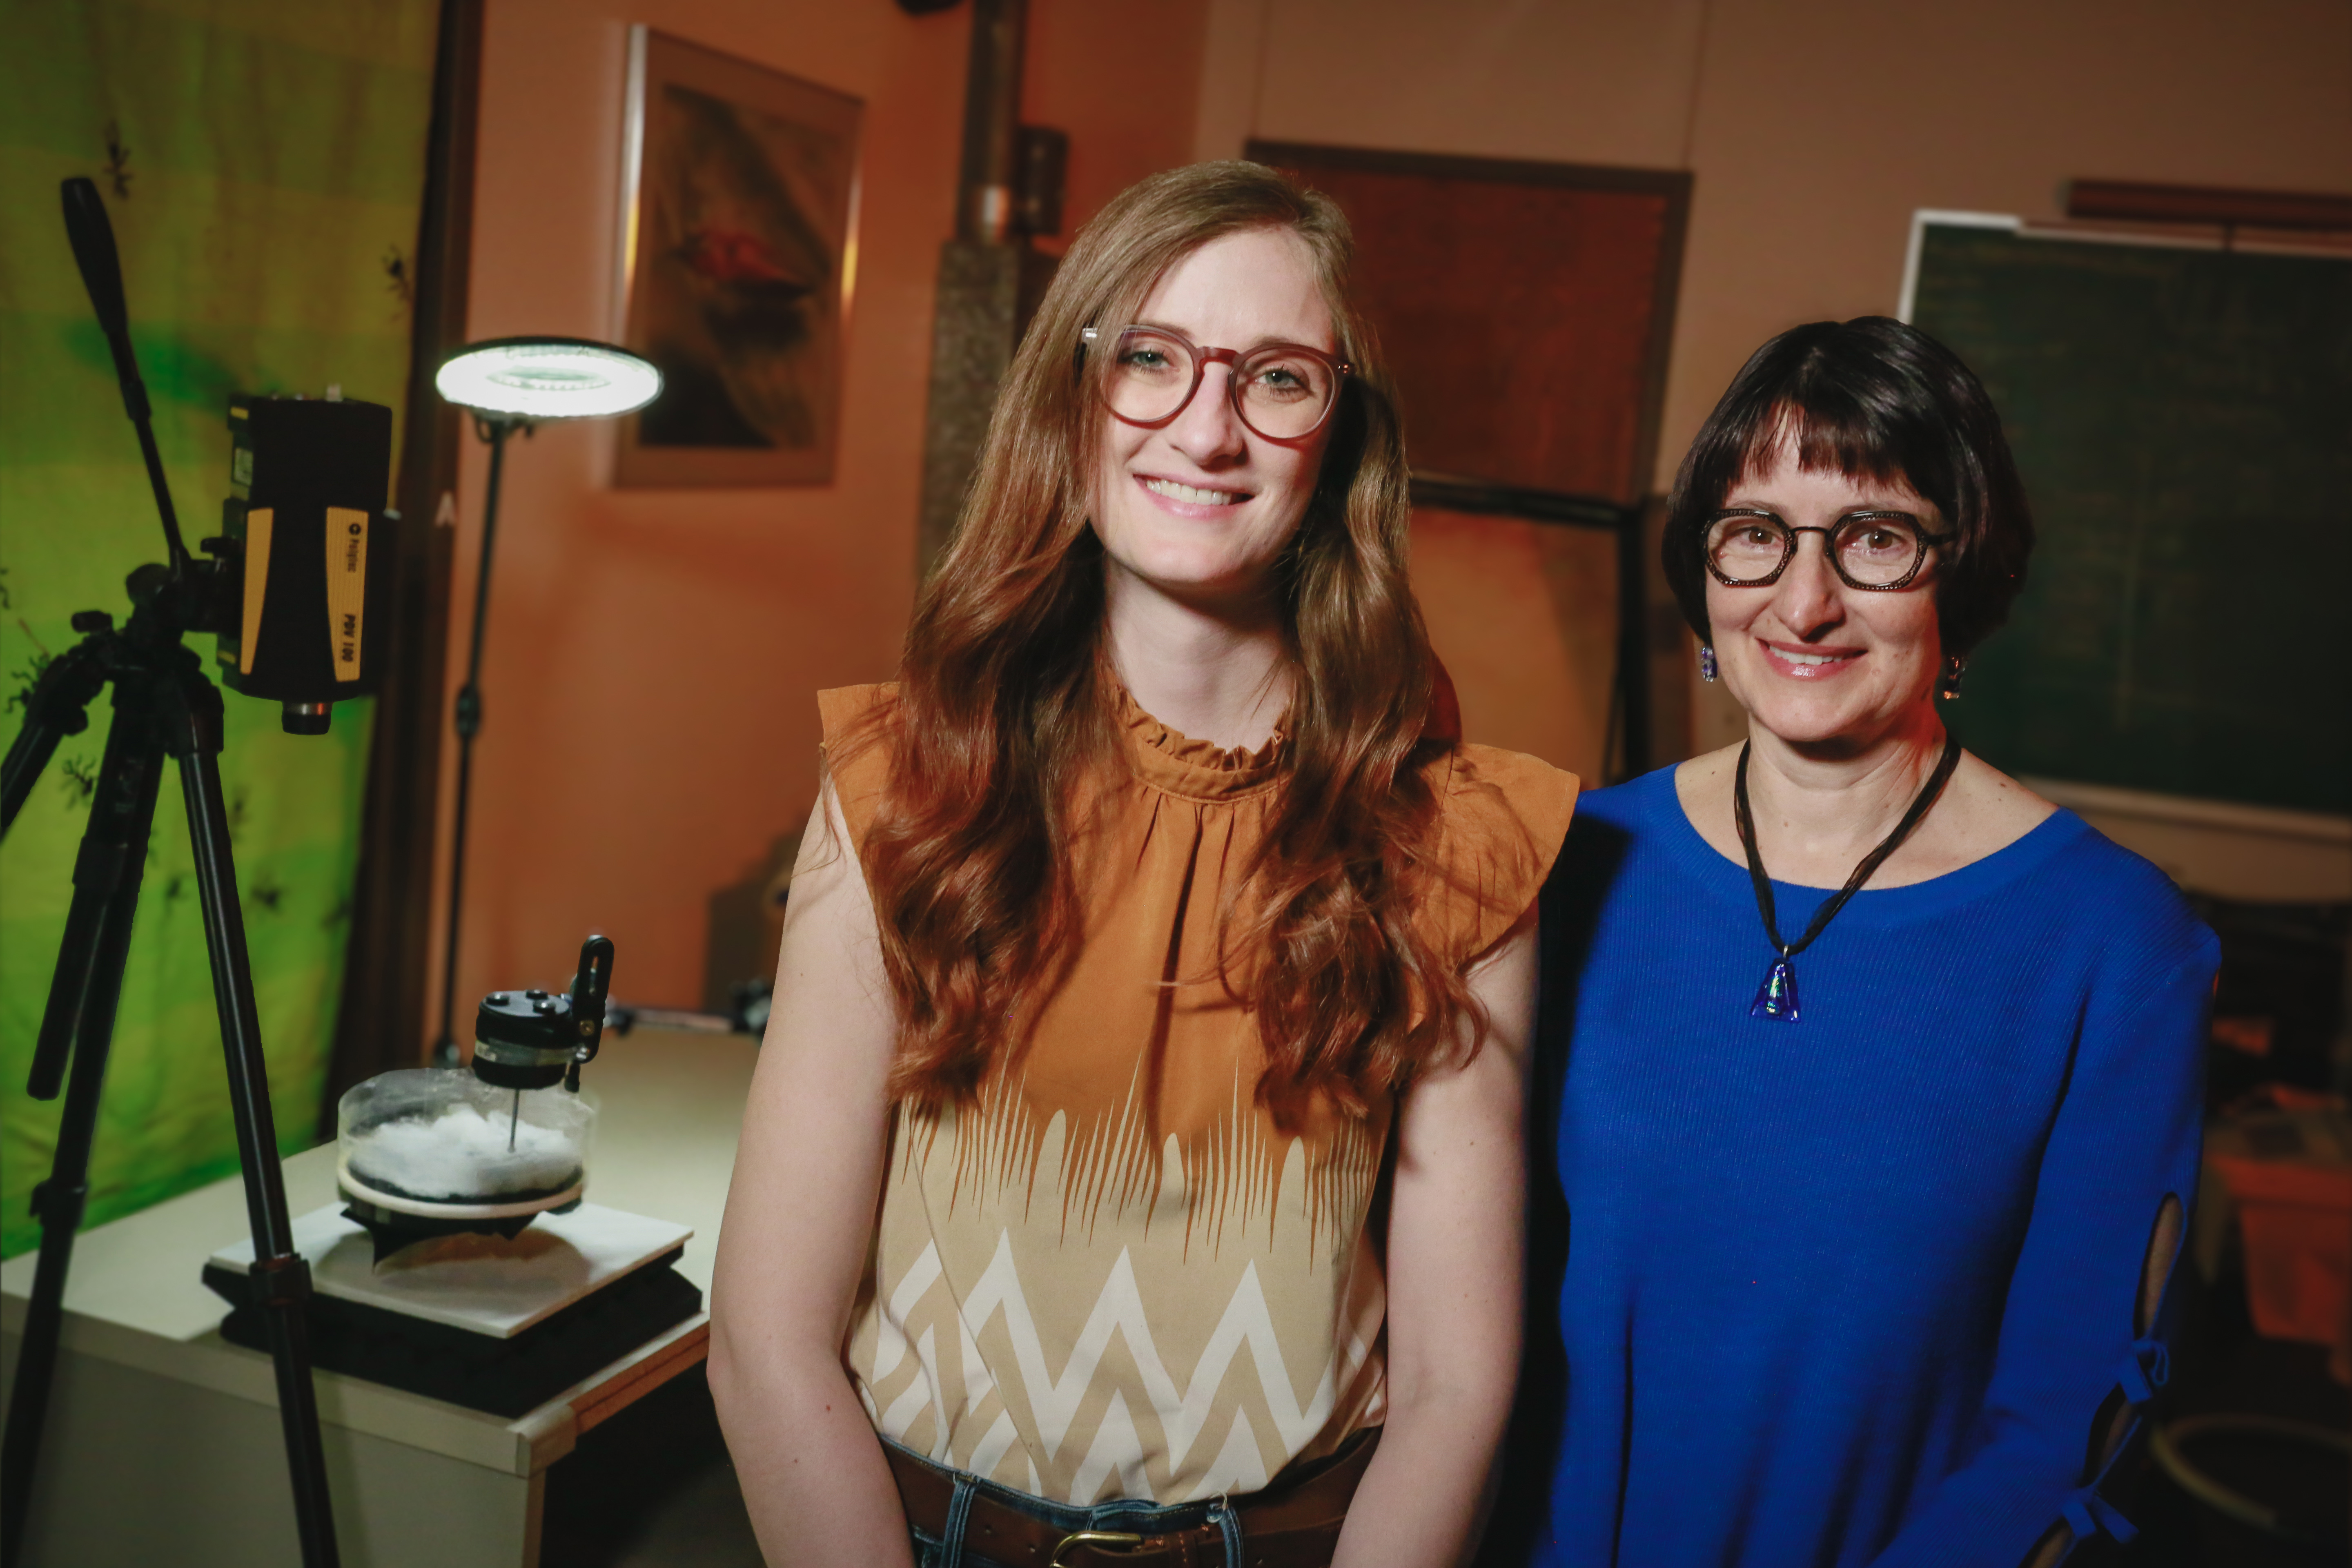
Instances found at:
x=832 y=955
x=819 y=1100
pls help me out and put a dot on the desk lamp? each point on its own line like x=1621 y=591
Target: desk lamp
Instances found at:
x=509 y=385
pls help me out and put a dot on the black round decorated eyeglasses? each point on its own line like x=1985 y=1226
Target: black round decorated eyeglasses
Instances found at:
x=1750 y=548
x=1284 y=392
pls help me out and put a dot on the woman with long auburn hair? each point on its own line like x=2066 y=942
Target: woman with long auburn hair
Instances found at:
x=1134 y=1162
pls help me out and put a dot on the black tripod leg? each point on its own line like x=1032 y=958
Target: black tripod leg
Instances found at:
x=29 y=754
x=88 y=981
x=53 y=709
x=58 y=1205
x=81 y=1020
x=281 y=1279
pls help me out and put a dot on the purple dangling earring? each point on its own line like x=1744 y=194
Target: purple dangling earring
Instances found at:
x=1948 y=688
x=1706 y=661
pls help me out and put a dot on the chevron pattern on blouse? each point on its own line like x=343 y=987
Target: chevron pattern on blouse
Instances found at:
x=1115 y=1408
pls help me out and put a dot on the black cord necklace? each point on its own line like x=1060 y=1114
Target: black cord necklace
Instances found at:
x=1777 y=997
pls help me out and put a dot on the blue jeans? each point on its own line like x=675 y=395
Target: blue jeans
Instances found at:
x=1131 y=1517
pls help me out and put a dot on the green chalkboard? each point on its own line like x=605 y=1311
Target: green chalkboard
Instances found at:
x=2183 y=421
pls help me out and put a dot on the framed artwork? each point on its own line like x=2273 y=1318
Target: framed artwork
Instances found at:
x=739 y=246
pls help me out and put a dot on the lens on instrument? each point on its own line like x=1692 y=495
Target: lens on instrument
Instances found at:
x=1284 y=392
x=1877 y=549
x=1747 y=549
x=1148 y=376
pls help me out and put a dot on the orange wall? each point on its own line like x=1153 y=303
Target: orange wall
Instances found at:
x=650 y=730
x=1813 y=128
x=1123 y=78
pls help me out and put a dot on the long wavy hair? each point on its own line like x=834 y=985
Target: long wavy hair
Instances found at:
x=1005 y=708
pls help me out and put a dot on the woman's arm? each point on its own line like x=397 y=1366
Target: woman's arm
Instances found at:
x=1454 y=1260
x=800 y=1219
x=2081 y=1337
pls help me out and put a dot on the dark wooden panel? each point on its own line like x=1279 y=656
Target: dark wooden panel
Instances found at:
x=1524 y=308
x=382 y=1022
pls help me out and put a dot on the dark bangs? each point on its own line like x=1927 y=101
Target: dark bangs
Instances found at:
x=1875 y=399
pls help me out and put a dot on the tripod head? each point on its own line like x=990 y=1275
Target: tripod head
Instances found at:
x=304 y=560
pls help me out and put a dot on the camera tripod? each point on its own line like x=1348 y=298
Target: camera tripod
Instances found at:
x=163 y=707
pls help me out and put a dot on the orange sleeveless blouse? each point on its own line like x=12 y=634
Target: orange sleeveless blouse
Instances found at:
x=1112 y=1275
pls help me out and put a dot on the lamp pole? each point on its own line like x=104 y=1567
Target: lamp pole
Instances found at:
x=509 y=385
x=494 y=429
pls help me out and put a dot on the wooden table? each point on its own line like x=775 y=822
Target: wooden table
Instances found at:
x=163 y=1444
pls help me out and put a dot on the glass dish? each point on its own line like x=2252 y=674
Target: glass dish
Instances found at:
x=439 y=1143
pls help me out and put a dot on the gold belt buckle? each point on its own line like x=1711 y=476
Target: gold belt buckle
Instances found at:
x=1091 y=1537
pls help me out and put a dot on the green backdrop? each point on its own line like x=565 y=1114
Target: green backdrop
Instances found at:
x=263 y=162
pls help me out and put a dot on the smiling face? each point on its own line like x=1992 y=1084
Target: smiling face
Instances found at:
x=1201 y=508
x=1815 y=662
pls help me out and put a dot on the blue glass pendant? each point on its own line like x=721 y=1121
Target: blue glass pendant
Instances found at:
x=1777 y=997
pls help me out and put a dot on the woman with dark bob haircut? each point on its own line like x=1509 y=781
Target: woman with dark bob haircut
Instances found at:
x=1872 y=1080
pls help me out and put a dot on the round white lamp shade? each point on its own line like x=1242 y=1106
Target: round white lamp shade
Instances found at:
x=548 y=378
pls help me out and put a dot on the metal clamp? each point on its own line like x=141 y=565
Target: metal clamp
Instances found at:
x=281 y=1281
x=1091 y=1537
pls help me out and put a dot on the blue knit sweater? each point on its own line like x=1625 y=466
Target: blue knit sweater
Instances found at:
x=1853 y=1290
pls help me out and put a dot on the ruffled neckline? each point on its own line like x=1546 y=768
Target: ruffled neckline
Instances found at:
x=1168 y=760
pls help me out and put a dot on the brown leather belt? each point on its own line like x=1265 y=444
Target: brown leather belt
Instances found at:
x=1293 y=1523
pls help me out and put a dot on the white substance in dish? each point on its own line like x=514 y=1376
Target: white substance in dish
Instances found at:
x=461 y=1156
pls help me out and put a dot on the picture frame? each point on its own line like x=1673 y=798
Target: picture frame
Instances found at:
x=736 y=267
